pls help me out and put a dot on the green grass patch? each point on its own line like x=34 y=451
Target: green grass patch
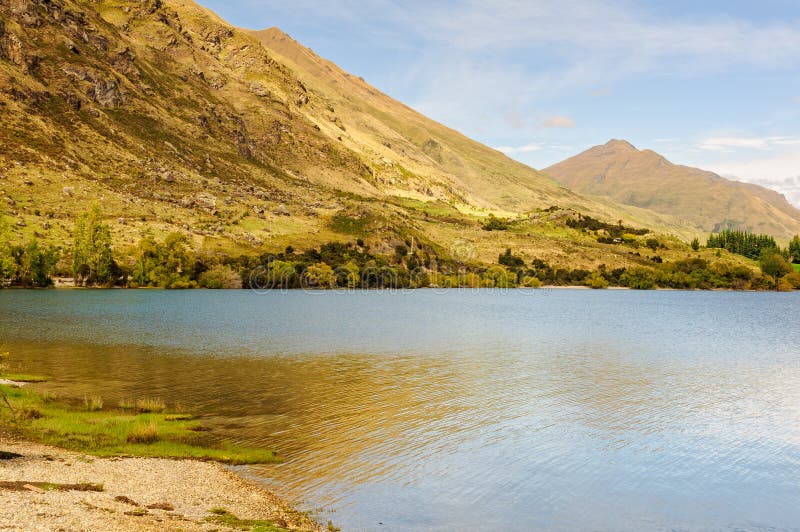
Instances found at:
x=24 y=378
x=796 y=267
x=224 y=517
x=437 y=209
x=349 y=225
x=117 y=432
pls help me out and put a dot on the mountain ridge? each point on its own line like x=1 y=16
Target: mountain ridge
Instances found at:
x=644 y=178
x=177 y=122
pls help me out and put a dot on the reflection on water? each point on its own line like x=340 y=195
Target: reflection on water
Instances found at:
x=478 y=410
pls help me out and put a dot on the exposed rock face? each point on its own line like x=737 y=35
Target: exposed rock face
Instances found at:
x=260 y=90
x=106 y=92
x=11 y=47
x=103 y=91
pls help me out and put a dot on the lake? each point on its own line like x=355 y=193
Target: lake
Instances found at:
x=477 y=410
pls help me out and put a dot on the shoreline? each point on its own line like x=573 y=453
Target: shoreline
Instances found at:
x=47 y=487
x=137 y=494
x=422 y=288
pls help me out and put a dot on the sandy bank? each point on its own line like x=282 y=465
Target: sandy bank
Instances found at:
x=184 y=492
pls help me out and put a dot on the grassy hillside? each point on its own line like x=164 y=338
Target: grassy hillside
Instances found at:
x=174 y=121
x=698 y=198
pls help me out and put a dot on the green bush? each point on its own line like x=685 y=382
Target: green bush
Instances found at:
x=495 y=224
x=596 y=281
x=774 y=264
x=639 y=279
x=220 y=277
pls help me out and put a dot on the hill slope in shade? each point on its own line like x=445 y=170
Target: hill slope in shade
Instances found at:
x=701 y=199
x=246 y=142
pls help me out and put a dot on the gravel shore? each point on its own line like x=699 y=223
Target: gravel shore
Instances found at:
x=181 y=492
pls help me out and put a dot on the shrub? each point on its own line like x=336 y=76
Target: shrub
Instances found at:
x=793 y=279
x=221 y=277
x=510 y=261
x=501 y=277
x=319 y=275
x=495 y=224
x=774 y=264
x=639 y=279
x=596 y=281
x=531 y=282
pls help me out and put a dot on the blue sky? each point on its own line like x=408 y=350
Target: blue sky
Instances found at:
x=714 y=84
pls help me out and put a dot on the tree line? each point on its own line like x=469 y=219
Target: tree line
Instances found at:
x=743 y=243
x=171 y=262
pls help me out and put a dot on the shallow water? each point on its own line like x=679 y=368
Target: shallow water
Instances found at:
x=479 y=410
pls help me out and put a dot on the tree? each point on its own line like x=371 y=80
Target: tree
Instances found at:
x=175 y=262
x=501 y=277
x=168 y=264
x=37 y=264
x=92 y=259
x=319 y=275
x=653 y=243
x=221 y=277
x=348 y=275
x=774 y=264
x=281 y=274
x=596 y=281
x=531 y=282
x=742 y=243
x=794 y=249
x=146 y=257
x=696 y=244
x=6 y=261
x=639 y=279
x=510 y=261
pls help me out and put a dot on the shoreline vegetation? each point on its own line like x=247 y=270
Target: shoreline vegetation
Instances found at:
x=46 y=487
x=142 y=427
x=136 y=448
x=751 y=262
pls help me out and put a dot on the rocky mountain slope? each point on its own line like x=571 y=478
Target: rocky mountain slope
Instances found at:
x=246 y=142
x=701 y=199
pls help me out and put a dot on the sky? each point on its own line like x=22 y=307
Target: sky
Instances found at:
x=713 y=84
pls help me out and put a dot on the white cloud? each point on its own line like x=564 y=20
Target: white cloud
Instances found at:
x=730 y=144
x=727 y=144
x=559 y=122
x=779 y=171
x=615 y=33
x=527 y=148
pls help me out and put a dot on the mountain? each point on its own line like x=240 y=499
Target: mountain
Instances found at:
x=700 y=199
x=246 y=142
x=386 y=132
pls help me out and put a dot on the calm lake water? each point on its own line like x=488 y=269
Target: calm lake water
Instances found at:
x=476 y=410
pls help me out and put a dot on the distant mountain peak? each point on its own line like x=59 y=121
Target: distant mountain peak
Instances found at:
x=620 y=144
x=274 y=32
x=645 y=179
